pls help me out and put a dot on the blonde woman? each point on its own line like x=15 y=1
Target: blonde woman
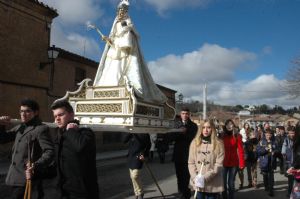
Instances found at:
x=206 y=162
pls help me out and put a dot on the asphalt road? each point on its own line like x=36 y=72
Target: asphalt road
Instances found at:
x=117 y=185
x=114 y=182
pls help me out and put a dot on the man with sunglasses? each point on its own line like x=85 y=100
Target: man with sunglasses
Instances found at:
x=31 y=135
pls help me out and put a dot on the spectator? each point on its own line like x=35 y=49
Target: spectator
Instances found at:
x=279 y=142
x=251 y=159
x=267 y=161
x=287 y=153
x=295 y=169
x=153 y=138
x=234 y=157
x=138 y=149
x=244 y=132
x=205 y=162
x=181 y=151
x=162 y=147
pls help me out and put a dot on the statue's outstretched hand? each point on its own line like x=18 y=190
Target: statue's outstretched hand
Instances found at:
x=106 y=39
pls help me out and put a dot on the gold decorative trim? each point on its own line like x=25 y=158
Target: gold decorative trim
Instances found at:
x=80 y=95
x=169 y=113
x=147 y=110
x=99 y=108
x=109 y=93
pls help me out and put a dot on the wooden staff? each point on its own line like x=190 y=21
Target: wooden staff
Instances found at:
x=154 y=179
x=27 y=194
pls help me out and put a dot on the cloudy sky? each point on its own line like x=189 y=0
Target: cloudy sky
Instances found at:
x=242 y=49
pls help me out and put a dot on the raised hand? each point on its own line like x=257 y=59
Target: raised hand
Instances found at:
x=5 y=120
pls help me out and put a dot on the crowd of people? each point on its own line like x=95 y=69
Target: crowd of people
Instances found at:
x=207 y=157
x=237 y=149
x=211 y=156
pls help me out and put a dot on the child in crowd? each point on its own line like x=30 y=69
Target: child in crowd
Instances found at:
x=251 y=159
x=267 y=162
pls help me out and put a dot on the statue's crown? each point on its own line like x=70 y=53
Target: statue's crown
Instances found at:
x=123 y=4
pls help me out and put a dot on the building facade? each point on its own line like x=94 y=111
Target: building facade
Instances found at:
x=26 y=70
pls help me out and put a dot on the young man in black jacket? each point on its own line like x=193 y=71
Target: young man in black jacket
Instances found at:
x=181 y=151
x=75 y=156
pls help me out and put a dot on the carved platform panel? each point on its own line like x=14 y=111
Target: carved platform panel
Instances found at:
x=118 y=106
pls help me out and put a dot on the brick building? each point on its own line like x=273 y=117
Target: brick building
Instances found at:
x=26 y=70
x=25 y=27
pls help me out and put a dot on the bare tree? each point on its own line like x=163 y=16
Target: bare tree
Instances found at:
x=293 y=78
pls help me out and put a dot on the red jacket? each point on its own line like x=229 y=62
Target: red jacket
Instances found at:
x=234 y=151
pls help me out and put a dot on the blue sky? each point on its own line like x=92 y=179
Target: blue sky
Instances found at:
x=240 y=48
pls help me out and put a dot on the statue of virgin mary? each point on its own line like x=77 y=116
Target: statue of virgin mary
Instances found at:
x=122 y=62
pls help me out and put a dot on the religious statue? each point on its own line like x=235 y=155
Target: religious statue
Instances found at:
x=122 y=62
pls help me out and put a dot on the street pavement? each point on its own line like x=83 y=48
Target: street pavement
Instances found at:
x=114 y=181
x=169 y=187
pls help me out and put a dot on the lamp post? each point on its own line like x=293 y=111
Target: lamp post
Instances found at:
x=52 y=55
x=179 y=102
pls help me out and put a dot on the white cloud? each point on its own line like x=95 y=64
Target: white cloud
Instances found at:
x=164 y=5
x=74 y=12
x=217 y=66
x=209 y=63
x=69 y=29
x=264 y=89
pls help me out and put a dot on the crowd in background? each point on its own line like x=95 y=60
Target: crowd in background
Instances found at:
x=249 y=150
x=263 y=147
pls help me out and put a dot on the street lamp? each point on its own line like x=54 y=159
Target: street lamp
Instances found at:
x=180 y=98
x=52 y=54
x=179 y=102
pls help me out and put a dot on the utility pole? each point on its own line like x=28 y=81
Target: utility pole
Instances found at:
x=204 y=102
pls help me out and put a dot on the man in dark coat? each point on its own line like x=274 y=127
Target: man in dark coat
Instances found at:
x=32 y=134
x=280 y=137
x=181 y=151
x=76 y=156
x=138 y=149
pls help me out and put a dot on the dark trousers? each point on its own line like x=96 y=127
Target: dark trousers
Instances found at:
x=281 y=163
x=290 y=184
x=151 y=155
x=183 y=178
x=161 y=157
x=269 y=180
x=17 y=192
x=204 y=195
x=229 y=178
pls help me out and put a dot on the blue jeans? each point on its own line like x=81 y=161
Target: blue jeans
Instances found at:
x=229 y=174
x=204 y=195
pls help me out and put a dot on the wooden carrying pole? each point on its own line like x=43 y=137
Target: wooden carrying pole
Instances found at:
x=154 y=179
x=27 y=193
